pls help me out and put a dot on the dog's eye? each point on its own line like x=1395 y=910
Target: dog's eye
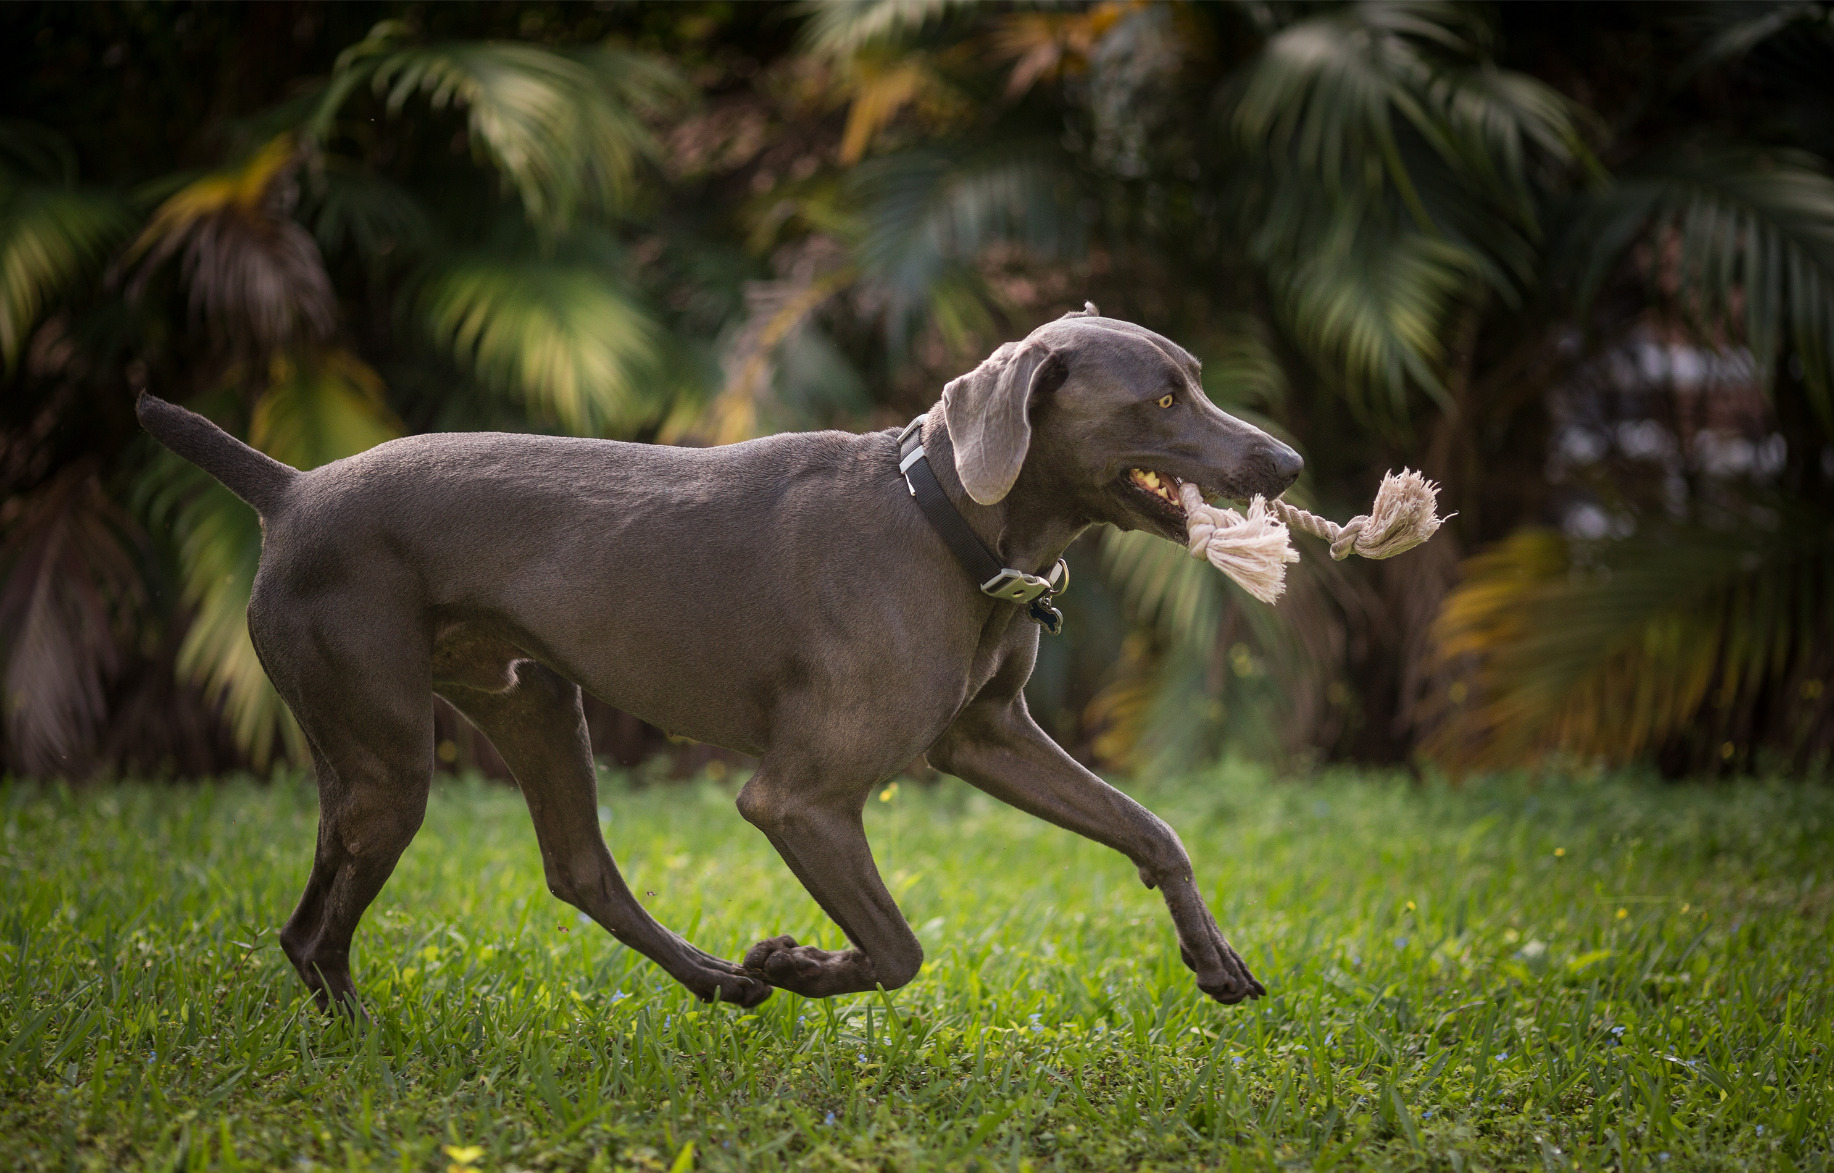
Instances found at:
x=1165 y=400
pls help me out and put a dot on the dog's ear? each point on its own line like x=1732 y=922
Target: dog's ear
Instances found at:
x=1088 y=311
x=988 y=413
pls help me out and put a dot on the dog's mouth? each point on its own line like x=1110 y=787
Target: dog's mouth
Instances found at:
x=1157 y=491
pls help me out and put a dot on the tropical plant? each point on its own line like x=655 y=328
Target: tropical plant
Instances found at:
x=509 y=274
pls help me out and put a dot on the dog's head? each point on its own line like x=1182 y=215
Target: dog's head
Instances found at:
x=1118 y=415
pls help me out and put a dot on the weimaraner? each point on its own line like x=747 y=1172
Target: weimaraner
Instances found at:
x=784 y=597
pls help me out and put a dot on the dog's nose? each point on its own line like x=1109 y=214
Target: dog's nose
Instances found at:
x=1287 y=464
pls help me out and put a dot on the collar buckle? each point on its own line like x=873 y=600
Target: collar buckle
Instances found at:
x=1015 y=586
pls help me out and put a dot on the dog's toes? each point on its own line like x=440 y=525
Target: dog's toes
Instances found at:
x=792 y=969
x=758 y=956
x=742 y=990
x=745 y=992
x=1229 y=990
x=1231 y=982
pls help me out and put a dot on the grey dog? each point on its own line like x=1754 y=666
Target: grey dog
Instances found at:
x=783 y=597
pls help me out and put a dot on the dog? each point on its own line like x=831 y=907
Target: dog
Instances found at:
x=785 y=597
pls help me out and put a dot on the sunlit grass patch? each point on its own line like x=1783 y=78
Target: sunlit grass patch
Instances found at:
x=1602 y=975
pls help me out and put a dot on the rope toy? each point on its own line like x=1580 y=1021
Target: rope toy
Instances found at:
x=1255 y=548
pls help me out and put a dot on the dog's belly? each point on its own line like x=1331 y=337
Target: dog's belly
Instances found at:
x=480 y=652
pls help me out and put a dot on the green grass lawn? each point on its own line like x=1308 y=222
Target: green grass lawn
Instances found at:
x=1571 y=975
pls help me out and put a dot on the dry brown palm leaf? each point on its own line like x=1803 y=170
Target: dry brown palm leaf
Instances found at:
x=69 y=592
x=254 y=275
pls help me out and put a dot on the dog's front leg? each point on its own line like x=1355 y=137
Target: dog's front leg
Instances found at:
x=998 y=748
x=819 y=832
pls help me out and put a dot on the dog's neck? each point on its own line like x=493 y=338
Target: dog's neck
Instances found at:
x=1029 y=528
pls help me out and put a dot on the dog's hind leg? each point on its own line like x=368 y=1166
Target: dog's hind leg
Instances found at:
x=362 y=691
x=372 y=744
x=539 y=727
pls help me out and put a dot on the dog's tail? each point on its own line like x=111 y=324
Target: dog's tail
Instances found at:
x=254 y=476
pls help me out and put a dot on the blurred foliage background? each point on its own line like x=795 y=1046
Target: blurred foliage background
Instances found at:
x=1575 y=261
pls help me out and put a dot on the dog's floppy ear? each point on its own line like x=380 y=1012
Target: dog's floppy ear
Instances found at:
x=988 y=417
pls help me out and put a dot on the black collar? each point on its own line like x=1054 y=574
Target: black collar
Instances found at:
x=996 y=581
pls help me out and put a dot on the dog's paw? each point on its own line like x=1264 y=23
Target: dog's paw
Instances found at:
x=804 y=969
x=1227 y=980
x=1230 y=988
x=736 y=989
x=757 y=958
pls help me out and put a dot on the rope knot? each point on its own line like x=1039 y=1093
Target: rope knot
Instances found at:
x=1251 y=548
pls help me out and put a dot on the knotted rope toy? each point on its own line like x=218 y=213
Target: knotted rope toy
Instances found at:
x=1254 y=548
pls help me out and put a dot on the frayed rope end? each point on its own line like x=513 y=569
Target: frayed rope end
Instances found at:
x=1405 y=514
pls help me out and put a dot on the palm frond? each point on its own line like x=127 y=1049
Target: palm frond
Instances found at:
x=70 y=589
x=838 y=30
x=1398 y=170
x=348 y=206
x=1658 y=638
x=1727 y=32
x=928 y=216
x=49 y=238
x=218 y=543
x=775 y=311
x=881 y=89
x=254 y=274
x=1328 y=94
x=1240 y=371
x=563 y=335
x=1229 y=673
x=566 y=132
x=1160 y=583
x=320 y=408
x=1375 y=303
x=1050 y=44
x=52 y=232
x=1744 y=241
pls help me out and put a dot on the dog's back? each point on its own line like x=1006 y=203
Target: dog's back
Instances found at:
x=654 y=575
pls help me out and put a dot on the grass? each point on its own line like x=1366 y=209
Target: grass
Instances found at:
x=1573 y=975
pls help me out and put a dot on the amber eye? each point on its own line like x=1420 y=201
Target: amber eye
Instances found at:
x=1165 y=401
